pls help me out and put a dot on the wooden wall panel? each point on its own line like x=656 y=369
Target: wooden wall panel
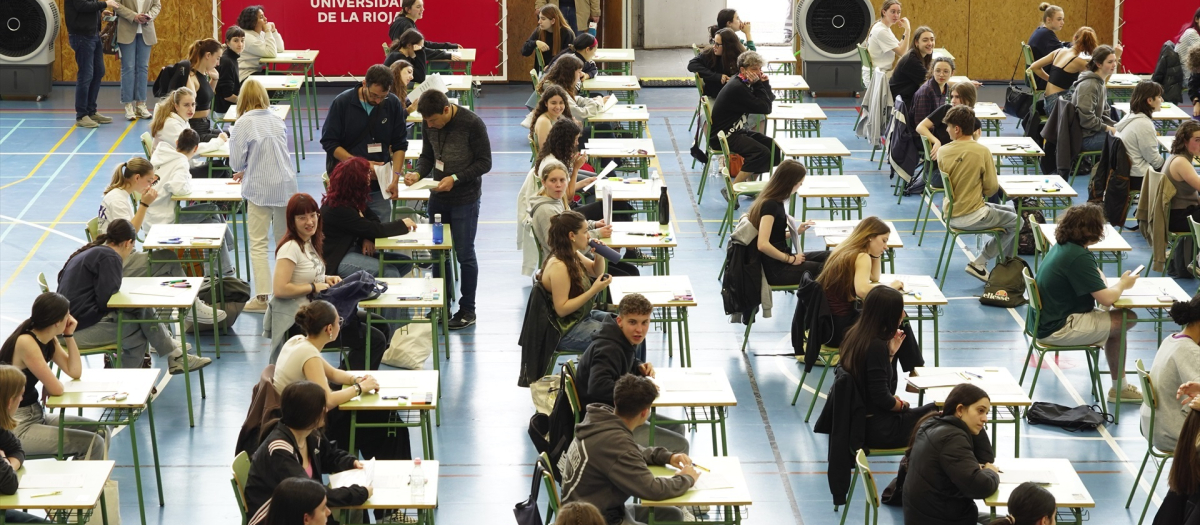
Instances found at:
x=180 y=23
x=998 y=28
x=521 y=21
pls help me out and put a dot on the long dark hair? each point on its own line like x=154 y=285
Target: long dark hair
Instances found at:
x=119 y=231
x=724 y=17
x=398 y=87
x=248 y=18
x=789 y=173
x=561 y=73
x=883 y=309
x=349 y=185
x=407 y=38
x=551 y=12
x=926 y=60
x=543 y=104
x=561 y=142
x=731 y=47
x=293 y=499
x=1027 y=505
x=303 y=204
x=1185 y=473
x=48 y=308
x=965 y=394
x=302 y=406
x=559 y=240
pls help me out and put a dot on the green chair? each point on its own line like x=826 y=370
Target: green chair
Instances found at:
x=547 y=473
x=928 y=193
x=241 y=471
x=1033 y=312
x=702 y=134
x=147 y=143
x=1173 y=239
x=1027 y=54
x=92 y=230
x=706 y=106
x=568 y=372
x=952 y=234
x=1040 y=243
x=864 y=60
x=1094 y=155
x=1160 y=456
x=1195 y=229
x=827 y=358
x=861 y=466
x=700 y=88
x=734 y=190
x=541 y=61
x=750 y=323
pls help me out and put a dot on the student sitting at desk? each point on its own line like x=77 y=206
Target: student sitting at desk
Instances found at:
x=90 y=278
x=410 y=12
x=228 y=81
x=12 y=387
x=1043 y=41
x=582 y=16
x=616 y=467
x=199 y=74
x=31 y=348
x=1029 y=504
x=296 y=501
x=551 y=202
x=136 y=176
x=934 y=125
x=402 y=74
x=1064 y=65
x=551 y=36
x=775 y=226
x=1090 y=96
x=932 y=94
x=296 y=448
x=1176 y=362
x=748 y=93
x=1184 y=478
x=950 y=462
x=551 y=105
x=729 y=19
x=567 y=73
x=301 y=360
x=171 y=165
x=172 y=115
x=351 y=227
x=853 y=270
x=262 y=40
x=718 y=62
x=912 y=68
x=1177 y=168
x=583 y=48
x=1136 y=131
x=410 y=47
x=1071 y=283
x=613 y=353
x=972 y=172
x=573 y=280
x=868 y=353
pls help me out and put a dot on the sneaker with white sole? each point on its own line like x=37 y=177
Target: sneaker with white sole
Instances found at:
x=461 y=319
x=978 y=272
x=257 y=305
x=130 y=112
x=86 y=122
x=1129 y=394
x=205 y=313
x=100 y=119
x=195 y=362
x=142 y=112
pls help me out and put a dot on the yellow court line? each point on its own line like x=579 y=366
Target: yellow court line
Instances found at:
x=43 y=161
x=71 y=202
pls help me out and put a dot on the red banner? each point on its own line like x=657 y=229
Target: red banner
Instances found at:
x=1149 y=23
x=349 y=33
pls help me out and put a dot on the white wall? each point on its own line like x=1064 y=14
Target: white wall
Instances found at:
x=676 y=23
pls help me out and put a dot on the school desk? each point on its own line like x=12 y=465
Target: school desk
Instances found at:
x=672 y=295
x=414 y=294
x=726 y=488
x=1002 y=388
x=412 y=391
x=659 y=239
x=65 y=489
x=922 y=292
x=227 y=193
x=204 y=238
x=704 y=388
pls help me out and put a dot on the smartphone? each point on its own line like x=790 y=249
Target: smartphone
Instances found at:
x=1138 y=271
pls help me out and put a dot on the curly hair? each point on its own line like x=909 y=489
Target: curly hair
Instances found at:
x=561 y=73
x=1182 y=136
x=562 y=141
x=349 y=185
x=544 y=101
x=248 y=18
x=1082 y=224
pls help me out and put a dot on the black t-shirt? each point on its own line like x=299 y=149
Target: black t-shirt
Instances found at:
x=31 y=381
x=939 y=127
x=779 y=228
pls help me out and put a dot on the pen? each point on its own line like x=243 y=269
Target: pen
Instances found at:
x=55 y=493
x=644 y=234
x=973 y=374
x=701 y=468
x=174 y=281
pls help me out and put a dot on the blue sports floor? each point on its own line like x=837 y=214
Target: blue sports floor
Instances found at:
x=52 y=176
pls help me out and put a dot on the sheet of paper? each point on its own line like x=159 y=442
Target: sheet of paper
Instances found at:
x=407 y=289
x=936 y=381
x=832 y=231
x=602 y=175
x=50 y=481
x=423 y=184
x=152 y=289
x=1043 y=477
x=363 y=477
x=609 y=103
x=687 y=384
x=433 y=82
x=286 y=56
x=91 y=386
x=607 y=199
x=711 y=481
x=391 y=482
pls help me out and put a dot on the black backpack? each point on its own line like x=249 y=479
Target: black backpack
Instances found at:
x=1025 y=244
x=1082 y=417
x=162 y=83
x=553 y=434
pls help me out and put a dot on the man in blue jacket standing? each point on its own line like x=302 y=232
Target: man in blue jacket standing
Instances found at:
x=83 y=28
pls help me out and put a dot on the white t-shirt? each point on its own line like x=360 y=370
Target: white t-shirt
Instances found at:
x=117 y=204
x=881 y=44
x=310 y=268
x=289 y=368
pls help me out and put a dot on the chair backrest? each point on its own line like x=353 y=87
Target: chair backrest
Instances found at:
x=1027 y=52
x=1194 y=227
x=92 y=230
x=541 y=60
x=41 y=280
x=864 y=468
x=695 y=50
x=568 y=373
x=1040 y=243
x=385 y=49
x=699 y=84
x=864 y=59
x=925 y=149
x=241 y=471
x=549 y=482
x=147 y=143
x=325 y=180
x=1031 y=83
x=949 y=212
x=1033 y=308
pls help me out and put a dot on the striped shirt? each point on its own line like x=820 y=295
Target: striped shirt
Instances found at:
x=258 y=147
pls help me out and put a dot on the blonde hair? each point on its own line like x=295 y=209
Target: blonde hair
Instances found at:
x=838 y=275
x=164 y=109
x=12 y=384
x=252 y=96
x=548 y=167
x=1048 y=11
x=126 y=170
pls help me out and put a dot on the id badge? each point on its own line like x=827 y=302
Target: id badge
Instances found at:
x=439 y=165
x=375 y=148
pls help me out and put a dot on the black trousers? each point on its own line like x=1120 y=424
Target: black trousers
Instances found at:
x=595 y=212
x=780 y=273
x=909 y=355
x=754 y=147
x=894 y=429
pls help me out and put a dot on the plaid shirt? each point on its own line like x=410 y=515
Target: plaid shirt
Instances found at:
x=928 y=98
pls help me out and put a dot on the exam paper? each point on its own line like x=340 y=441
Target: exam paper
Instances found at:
x=363 y=477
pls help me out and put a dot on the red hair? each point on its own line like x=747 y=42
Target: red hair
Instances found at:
x=302 y=204
x=349 y=185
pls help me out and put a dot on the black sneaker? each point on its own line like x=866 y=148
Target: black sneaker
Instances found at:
x=461 y=320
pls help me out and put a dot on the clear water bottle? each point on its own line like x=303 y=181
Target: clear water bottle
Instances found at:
x=416 y=482
x=427 y=293
x=437 y=228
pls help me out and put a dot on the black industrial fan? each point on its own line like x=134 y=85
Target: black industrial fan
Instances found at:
x=830 y=30
x=28 y=29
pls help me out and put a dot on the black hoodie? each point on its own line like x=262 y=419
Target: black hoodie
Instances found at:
x=944 y=477
x=609 y=357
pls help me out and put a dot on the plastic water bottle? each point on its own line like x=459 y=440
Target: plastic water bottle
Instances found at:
x=427 y=294
x=437 y=228
x=416 y=482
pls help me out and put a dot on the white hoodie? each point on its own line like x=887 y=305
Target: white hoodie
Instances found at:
x=171 y=166
x=169 y=134
x=1137 y=131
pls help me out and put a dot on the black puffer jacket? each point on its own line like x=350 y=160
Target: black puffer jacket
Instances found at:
x=1169 y=73
x=608 y=357
x=944 y=478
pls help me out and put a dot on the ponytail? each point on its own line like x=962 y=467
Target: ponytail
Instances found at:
x=119 y=231
x=583 y=41
x=48 y=308
x=166 y=107
x=126 y=170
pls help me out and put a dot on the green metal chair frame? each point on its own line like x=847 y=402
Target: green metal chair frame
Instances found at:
x=734 y=190
x=240 y=473
x=927 y=194
x=863 y=466
x=706 y=107
x=1173 y=239
x=551 y=485
x=1160 y=456
x=898 y=118
x=827 y=358
x=864 y=60
x=699 y=105
x=1027 y=54
x=952 y=234
x=1094 y=155
x=1033 y=312
x=568 y=371
x=147 y=143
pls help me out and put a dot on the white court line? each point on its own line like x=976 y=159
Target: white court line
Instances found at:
x=43 y=228
x=10 y=132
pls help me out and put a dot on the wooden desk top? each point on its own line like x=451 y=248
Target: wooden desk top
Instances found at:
x=292 y=56
x=96 y=383
x=148 y=292
x=623 y=113
x=1068 y=489
x=620 y=148
x=660 y=290
x=836 y=232
x=812 y=147
x=279 y=110
x=1146 y=290
x=632 y=189
x=724 y=470
x=693 y=387
x=622 y=237
x=614 y=55
x=1020 y=146
x=280 y=82
x=1111 y=242
x=777 y=55
x=919 y=290
x=1036 y=186
x=423 y=238
x=464 y=55
x=1123 y=81
x=191 y=236
x=406 y=292
x=989 y=111
x=391 y=490
x=1168 y=111
x=212 y=190
x=44 y=476
x=612 y=83
x=787 y=83
x=781 y=110
x=832 y=186
x=998 y=382
x=396 y=382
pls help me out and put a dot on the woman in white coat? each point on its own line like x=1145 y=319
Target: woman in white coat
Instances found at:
x=171 y=118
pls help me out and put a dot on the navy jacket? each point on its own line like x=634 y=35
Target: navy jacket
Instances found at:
x=88 y=281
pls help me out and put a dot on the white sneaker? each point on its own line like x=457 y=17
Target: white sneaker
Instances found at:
x=130 y=112
x=256 y=305
x=978 y=272
x=1129 y=394
x=204 y=313
x=195 y=362
x=142 y=112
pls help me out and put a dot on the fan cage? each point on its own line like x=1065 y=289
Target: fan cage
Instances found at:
x=23 y=27
x=835 y=27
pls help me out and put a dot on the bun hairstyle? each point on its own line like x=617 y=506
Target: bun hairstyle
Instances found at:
x=119 y=232
x=1084 y=41
x=1182 y=312
x=127 y=170
x=583 y=41
x=1048 y=11
x=48 y=309
x=188 y=140
x=313 y=317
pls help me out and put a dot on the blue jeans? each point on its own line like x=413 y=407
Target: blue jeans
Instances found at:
x=380 y=205
x=16 y=516
x=395 y=265
x=1094 y=142
x=463 y=222
x=89 y=58
x=135 y=68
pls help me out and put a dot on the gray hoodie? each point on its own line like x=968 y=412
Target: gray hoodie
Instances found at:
x=1137 y=131
x=541 y=210
x=1090 y=97
x=604 y=466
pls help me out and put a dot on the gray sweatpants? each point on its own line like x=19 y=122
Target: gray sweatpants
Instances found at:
x=38 y=432
x=997 y=216
x=136 y=336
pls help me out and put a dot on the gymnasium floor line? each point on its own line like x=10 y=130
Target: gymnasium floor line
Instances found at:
x=784 y=480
